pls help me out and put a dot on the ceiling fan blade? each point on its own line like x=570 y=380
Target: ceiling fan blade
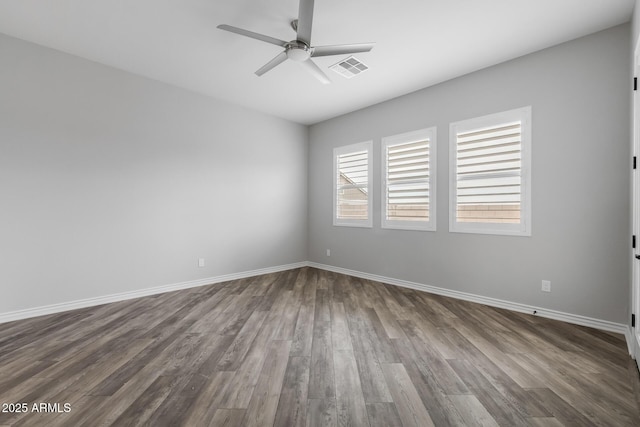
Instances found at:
x=316 y=71
x=253 y=35
x=341 y=49
x=271 y=64
x=305 y=21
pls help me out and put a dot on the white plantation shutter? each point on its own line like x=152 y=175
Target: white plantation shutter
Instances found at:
x=490 y=176
x=352 y=180
x=407 y=170
x=353 y=185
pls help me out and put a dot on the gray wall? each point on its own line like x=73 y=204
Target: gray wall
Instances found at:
x=635 y=24
x=579 y=93
x=110 y=182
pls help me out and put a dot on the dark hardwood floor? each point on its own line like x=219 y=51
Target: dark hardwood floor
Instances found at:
x=311 y=348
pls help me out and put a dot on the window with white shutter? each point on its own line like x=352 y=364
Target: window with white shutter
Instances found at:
x=490 y=179
x=352 y=184
x=408 y=173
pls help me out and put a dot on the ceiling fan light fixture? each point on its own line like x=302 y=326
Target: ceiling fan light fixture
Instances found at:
x=298 y=52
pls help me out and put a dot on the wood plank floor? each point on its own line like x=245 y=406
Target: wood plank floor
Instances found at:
x=311 y=348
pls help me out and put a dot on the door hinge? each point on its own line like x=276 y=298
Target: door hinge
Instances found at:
x=633 y=241
x=633 y=320
x=635 y=162
x=635 y=83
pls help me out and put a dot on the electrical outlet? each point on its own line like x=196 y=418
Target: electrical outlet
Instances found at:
x=546 y=286
x=200 y=262
x=328 y=252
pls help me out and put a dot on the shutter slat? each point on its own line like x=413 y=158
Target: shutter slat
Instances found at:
x=409 y=174
x=408 y=155
x=408 y=167
x=409 y=146
x=481 y=133
x=490 y=140
x=491 y=170
x=423 y=196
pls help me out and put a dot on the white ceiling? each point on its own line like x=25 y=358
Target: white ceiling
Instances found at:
x=418 y=42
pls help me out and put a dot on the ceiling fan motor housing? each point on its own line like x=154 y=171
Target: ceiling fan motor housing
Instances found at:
x=298 y=51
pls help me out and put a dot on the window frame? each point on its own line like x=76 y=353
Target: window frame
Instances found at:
x=346 y=149
x=405 y=138
x=493 y=120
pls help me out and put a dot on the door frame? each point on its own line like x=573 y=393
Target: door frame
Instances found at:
x=634 y=346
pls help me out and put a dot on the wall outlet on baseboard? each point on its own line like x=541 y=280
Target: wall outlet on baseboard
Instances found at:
x=200 y=262
x=546 y=286
x=328 y=252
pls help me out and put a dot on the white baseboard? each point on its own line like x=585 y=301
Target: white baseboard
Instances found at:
x=89 y=302
x=632 y=345
x=493 y=302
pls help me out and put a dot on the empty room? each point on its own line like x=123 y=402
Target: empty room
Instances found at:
x=319 y=213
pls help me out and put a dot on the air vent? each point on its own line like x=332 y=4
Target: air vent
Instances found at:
x=349 y=67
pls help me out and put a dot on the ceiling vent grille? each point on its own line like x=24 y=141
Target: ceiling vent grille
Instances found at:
x=349 y=67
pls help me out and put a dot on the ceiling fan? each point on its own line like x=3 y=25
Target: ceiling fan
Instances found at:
x=300 y=49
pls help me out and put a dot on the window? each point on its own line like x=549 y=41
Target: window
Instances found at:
x=352 y=185
x=408 y=173
x=490 y=174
